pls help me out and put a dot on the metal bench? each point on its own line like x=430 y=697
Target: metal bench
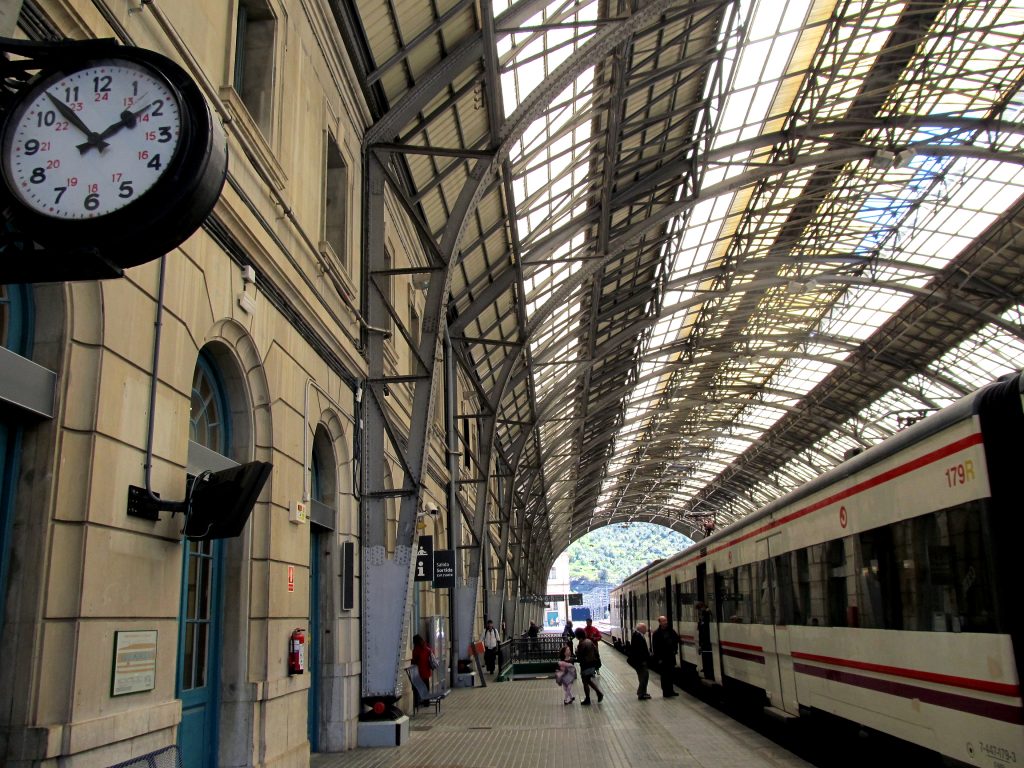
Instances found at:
x=421 y=696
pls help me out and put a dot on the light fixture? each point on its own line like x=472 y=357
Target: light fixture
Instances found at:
x=882 y=159
x=903 y=158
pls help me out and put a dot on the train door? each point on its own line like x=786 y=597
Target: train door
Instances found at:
x=779 y=683
x=704 y=639
x=669 y=612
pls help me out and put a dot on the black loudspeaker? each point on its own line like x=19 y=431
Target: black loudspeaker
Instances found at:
x=219 y=503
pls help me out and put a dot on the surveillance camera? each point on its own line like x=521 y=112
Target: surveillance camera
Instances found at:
x=435 y=512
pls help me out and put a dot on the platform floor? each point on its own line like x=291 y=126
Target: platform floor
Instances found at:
x=523 y=724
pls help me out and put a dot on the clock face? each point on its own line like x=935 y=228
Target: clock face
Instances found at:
x=86 y=143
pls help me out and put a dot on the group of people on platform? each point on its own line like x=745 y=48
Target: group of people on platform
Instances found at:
x=665 y=644
x=664 y=650
x=586 y=652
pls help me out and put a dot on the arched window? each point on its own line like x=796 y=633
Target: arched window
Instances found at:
x=209 y=413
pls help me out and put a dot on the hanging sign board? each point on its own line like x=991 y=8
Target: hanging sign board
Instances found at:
x=424 y=559
x=444 y=568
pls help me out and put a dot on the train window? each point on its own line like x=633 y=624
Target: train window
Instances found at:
x=709 y=593
x=838 y=594
x=802 y=587
x=960 y=571
x=879 y=598
x=785 y=606
x=657 y=603
x=687 y=597
x=930 y=573
x=736 y=597
x=910 y=541
x=763 y=590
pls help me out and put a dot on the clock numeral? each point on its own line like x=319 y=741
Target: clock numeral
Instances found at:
x=38 y=176
x=32 y=146
x=60 y=193
x=92 y=202
x=71 y=94
x=53 y=164
x=127 y=190
x=101 y=97
x=158 y=108
x=161 y=136
x=155 y=163
x=101 y=84
x=47 y=118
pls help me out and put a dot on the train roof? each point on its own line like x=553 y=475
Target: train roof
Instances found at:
x=1010 y=385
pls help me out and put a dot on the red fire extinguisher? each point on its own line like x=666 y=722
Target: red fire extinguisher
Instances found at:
x=297 y=652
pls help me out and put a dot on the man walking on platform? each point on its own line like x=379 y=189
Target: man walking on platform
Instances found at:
x=491 y=641
x=638 y=657
x=666 y=648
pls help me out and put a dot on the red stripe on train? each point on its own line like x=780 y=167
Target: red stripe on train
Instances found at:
x=746 y=646
x=743 y=655
x=1005 y=712
x=986 y=686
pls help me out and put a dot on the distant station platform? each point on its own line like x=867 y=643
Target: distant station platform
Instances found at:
x=523 y=724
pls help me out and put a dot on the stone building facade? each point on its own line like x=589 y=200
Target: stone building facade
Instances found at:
x=242 y=344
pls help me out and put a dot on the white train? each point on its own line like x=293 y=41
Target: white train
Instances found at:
x=886 y=592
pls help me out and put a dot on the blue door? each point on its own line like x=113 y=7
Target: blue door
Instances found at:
x=199 y=642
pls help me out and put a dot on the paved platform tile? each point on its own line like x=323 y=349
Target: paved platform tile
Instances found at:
x=523 y=724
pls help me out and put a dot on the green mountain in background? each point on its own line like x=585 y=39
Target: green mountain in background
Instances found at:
x=610 y=554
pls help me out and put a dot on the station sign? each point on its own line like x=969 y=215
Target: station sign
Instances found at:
x=444 y=568
x=424 y=559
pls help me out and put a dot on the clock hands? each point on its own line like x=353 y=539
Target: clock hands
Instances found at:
x=128 y=119
x=94 y=139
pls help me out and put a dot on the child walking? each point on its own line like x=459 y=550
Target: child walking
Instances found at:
x=565 y=675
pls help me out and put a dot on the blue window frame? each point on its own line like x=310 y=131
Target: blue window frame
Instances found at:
x=16 y=315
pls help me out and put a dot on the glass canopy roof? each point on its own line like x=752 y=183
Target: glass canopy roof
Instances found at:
x=721 y=244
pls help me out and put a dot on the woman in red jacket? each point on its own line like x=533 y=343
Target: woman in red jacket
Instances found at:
x=421 y=653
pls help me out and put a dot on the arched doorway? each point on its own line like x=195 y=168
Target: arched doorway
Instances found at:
x=322 y=540
x=200 y=628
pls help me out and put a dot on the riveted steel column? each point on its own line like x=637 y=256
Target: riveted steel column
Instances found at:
x=385 y=580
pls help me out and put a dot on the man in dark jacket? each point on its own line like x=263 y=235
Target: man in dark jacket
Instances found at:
x=666 y=648
x=638 y=657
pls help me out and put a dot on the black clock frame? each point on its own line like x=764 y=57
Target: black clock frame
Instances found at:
x=160 y=219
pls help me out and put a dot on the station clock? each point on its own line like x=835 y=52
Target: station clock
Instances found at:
x=115 y=154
